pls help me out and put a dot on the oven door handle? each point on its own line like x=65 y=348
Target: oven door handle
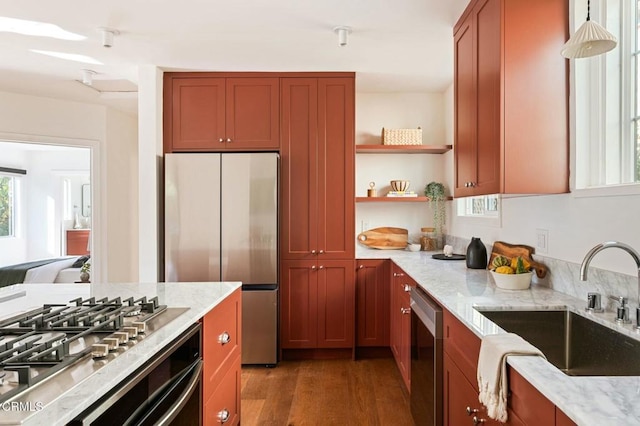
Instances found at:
x=194 y=373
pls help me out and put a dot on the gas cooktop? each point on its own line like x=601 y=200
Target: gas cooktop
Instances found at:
x=71 y=341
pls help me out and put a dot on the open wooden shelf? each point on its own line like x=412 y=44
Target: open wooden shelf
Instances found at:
x=421 y=199
x=403 y=149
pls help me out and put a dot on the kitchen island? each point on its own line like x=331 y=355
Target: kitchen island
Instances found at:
x=586 y=400
x=199 y=298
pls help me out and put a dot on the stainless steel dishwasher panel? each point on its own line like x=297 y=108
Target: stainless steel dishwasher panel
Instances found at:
x=426 y=360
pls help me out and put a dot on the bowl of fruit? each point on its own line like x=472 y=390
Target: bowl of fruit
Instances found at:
x=511 y=274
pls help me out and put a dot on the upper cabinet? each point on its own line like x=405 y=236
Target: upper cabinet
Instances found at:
x=317 y=158
x=214 y=112
x=511 y=98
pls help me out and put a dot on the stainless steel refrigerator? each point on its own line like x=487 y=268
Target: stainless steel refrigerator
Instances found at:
x=221 y=224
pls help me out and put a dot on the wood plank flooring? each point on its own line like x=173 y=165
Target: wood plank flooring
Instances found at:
x=325 y=392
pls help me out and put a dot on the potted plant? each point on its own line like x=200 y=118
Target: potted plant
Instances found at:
x=84 y=271
x=436 y=193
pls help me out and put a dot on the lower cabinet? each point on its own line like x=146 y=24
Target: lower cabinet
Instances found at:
x=221 y=337
x=372 y=302
x=317 y=304
x=526 y=405
x=400 y=318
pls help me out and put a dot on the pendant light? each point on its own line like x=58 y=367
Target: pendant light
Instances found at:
x=590 y=39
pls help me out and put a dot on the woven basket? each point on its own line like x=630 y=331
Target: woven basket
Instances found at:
x=402 y=136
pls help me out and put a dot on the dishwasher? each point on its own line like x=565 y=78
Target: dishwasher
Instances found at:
x=426 y=359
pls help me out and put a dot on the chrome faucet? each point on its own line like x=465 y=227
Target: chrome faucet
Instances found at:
x=609 y=244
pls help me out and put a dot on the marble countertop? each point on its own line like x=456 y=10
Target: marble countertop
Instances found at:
x=199 y=297
x=586 y=400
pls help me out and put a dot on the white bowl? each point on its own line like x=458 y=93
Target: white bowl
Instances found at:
x=413 y=247
x=513 y=281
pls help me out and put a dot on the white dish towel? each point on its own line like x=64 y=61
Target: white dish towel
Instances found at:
x=492 y=370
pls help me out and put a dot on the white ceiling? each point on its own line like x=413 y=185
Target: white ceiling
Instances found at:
x=395 y=46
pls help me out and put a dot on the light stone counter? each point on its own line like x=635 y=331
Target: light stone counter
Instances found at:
x=199 y=297
x=586 y=400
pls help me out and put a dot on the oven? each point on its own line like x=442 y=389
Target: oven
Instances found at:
x=426 y=359
x=165 y=391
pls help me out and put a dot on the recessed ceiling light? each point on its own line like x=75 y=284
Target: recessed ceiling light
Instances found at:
x=34 y=28
x=69 y=56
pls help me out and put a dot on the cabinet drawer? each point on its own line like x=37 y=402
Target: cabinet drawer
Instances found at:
x=462 y=346
x=225 y=400
x=221 y=340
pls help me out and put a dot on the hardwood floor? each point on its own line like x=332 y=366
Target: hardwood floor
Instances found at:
x=325 y=392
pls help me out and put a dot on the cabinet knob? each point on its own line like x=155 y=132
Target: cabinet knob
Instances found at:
x=405 y=311
x=407 y=288
x=477 y=421
x=229 y=140
x=221 y=140
x=398 y=274
x=313 y=268
x=471 y=411
x=361 y=266
x=321 y=252
x=321 y=267
x=313 y=252
x=224 y=338
x=223 y=415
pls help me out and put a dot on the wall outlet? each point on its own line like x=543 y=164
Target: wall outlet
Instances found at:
x=542 y=241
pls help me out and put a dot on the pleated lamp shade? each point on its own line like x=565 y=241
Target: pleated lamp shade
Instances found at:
x=590 y=39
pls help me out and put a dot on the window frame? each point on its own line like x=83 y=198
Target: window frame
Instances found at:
x=588 y=111
x=13 y=203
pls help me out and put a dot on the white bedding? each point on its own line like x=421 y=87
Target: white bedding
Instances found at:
x=49 y=273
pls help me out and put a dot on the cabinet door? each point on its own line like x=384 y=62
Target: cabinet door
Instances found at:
x=336 y=303
x=401 y=323
x=197 y=114
x=465 y=148
x=252 y=113
x=298 y=304
x=299 y=172
x=458 y=395
x=372 y=302
x=487 y=25
x=335 y=159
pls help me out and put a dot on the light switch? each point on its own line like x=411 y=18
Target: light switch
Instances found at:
x=542 y=240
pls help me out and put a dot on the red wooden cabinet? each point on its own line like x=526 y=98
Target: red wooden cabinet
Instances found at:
x=212 y=112
x=400 y=318
x=221 y=343
x=372 y=302
x=317 y=158
x=317 y=305
x=511 y=98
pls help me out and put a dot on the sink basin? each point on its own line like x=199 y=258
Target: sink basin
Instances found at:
x=574 y=344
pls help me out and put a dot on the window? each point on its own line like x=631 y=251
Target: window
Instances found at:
x=486 y=206
x=7 y=205
x=607 y=105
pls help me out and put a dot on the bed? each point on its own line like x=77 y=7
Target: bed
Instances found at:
x=58 y=270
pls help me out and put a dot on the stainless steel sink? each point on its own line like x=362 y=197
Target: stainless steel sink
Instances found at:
x=574 y=344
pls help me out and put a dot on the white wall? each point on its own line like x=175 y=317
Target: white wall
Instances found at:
x=121 y=197
x=398 y=110
x=34 y=119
